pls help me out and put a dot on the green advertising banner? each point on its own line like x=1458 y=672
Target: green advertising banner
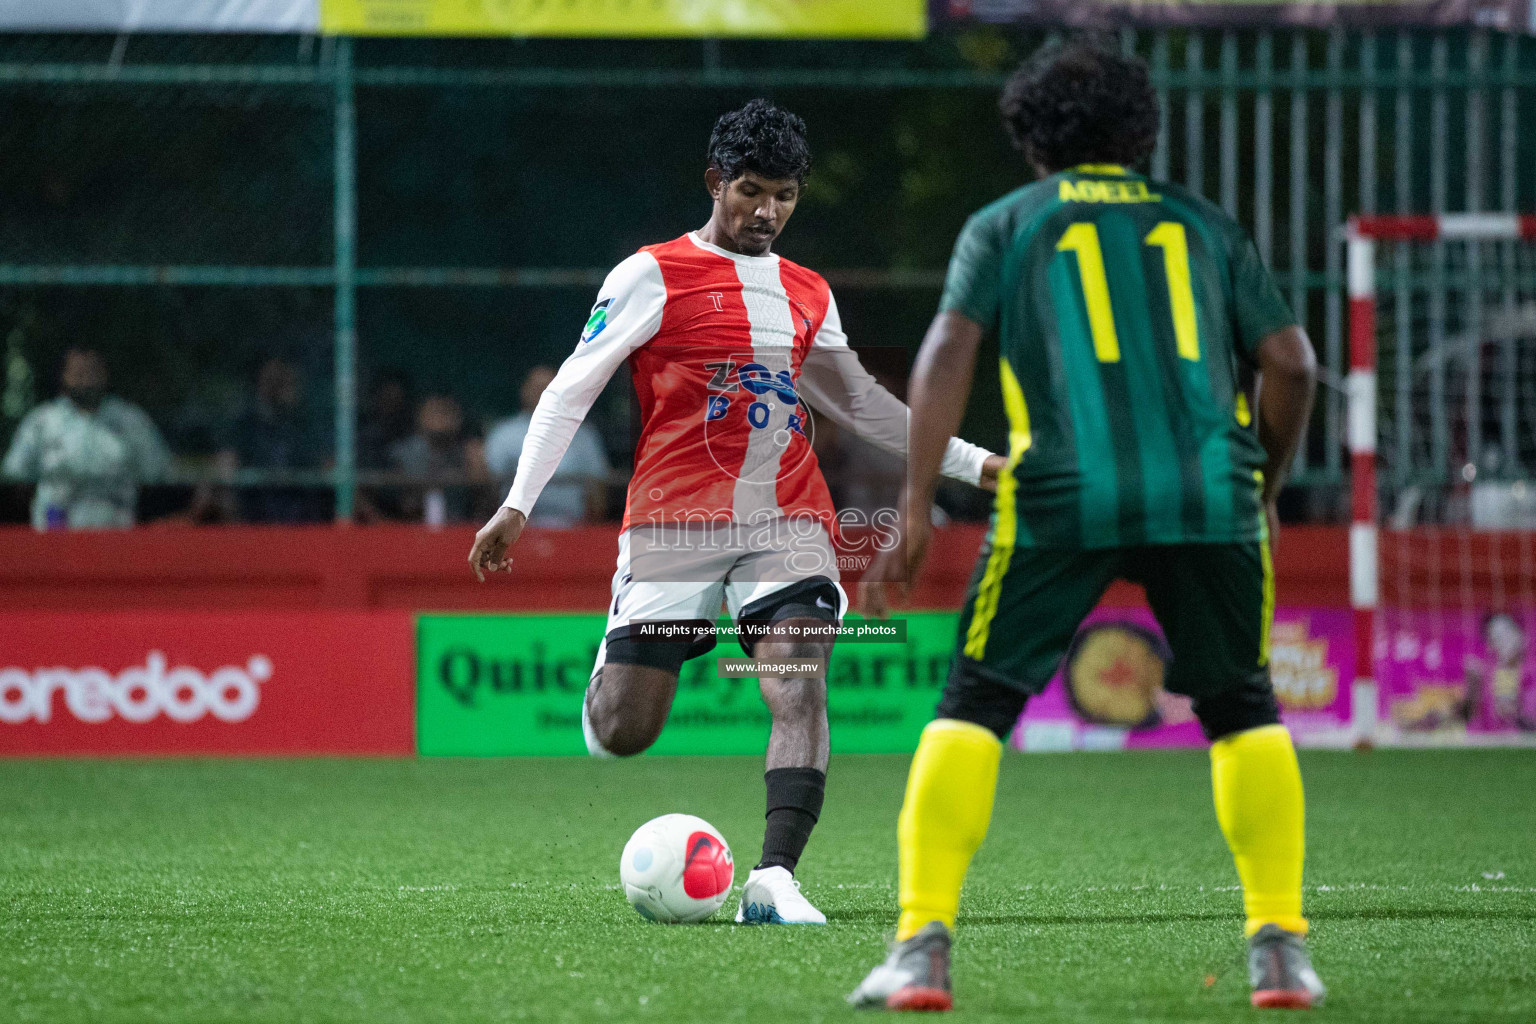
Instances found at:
x=500 y=685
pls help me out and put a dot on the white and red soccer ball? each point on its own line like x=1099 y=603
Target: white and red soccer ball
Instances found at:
x=676 y=869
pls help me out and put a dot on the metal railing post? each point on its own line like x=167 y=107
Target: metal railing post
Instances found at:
x=345 y=258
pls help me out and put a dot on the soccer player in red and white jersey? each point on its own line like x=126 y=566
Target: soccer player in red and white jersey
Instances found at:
x=726 y=343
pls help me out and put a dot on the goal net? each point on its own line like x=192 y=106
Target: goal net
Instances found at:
x=1442 y=434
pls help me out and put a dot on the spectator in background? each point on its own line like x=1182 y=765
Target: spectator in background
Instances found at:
x=88 y=451
x=576 y=492
x=443 y=454
x=273 y=434
x=387 y=418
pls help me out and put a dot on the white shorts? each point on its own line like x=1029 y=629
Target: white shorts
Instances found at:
x=673 y=573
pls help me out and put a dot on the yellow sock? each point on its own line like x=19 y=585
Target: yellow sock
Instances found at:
x=944 y=819
x=1259 y=804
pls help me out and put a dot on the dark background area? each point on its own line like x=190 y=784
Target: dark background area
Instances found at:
x=546 y=174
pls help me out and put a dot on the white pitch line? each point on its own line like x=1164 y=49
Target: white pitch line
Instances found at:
x=1324 y=887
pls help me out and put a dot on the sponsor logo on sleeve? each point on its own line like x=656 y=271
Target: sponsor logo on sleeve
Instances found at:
x=597 y=321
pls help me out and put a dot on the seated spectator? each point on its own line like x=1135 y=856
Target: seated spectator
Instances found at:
x=449 y=461
x=387 y=418
x=87 y=450
x=273 y=434
x=576 y=492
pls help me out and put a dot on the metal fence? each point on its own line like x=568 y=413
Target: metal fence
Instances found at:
x=1289 y=130
x=1372 y=121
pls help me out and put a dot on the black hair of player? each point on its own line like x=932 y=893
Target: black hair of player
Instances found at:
x=762 y=138
x=1081 y=102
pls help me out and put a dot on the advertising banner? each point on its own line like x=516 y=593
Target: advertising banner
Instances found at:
x=505 y=684
x=1456 y=678
x=1513 y=15
x=160 y=15
x=826 y=19
x=513 y=684
x=888 y=19
x=192 y=683
x=1311 y=654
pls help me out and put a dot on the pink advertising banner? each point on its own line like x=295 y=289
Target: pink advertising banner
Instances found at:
x=1443 y=678
x=1311 y=651
x=1449 y=677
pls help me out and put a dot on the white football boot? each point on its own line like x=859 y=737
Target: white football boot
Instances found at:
x=772 y=896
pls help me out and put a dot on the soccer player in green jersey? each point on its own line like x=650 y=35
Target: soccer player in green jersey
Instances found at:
x=1135 y=323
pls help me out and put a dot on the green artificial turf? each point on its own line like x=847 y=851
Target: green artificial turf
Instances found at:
x=446 y=890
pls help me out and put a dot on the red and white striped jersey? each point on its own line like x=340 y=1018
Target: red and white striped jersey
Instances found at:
x=725 y=350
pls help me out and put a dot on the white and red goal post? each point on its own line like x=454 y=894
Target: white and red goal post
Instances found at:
x=1363 y=236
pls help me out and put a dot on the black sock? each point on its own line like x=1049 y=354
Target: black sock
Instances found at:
x=794 y=804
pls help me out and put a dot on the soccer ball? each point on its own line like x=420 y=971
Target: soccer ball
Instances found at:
x=676 y=869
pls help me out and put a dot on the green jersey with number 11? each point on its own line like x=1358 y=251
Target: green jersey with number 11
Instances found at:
x=1128 y=312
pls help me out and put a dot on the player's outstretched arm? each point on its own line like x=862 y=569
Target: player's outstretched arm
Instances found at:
x=626 y=316
x=1287 y=382
x=839 y=386
x=940 y=388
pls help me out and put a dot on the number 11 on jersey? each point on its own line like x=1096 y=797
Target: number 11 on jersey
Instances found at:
x=1082 y=238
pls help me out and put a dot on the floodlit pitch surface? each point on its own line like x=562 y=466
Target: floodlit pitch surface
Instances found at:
x=487 y=890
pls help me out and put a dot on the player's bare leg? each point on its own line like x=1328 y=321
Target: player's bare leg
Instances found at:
x=798 y=704
x=796 y=777
x=627 y=705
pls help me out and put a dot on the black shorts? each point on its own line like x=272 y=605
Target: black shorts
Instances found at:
x=1215 y=603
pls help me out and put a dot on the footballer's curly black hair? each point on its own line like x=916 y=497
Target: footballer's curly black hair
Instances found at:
x=760 y=138
x=1081 y=102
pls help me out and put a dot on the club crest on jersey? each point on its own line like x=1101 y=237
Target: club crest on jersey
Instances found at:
x=805 y=316
x=597 y=321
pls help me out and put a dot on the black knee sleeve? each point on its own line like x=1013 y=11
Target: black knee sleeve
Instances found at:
x=660 y=644
x=1236 y=710
x=972 y=697
x=814 y=597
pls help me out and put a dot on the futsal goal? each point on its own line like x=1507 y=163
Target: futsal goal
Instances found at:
x=1442 y=441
